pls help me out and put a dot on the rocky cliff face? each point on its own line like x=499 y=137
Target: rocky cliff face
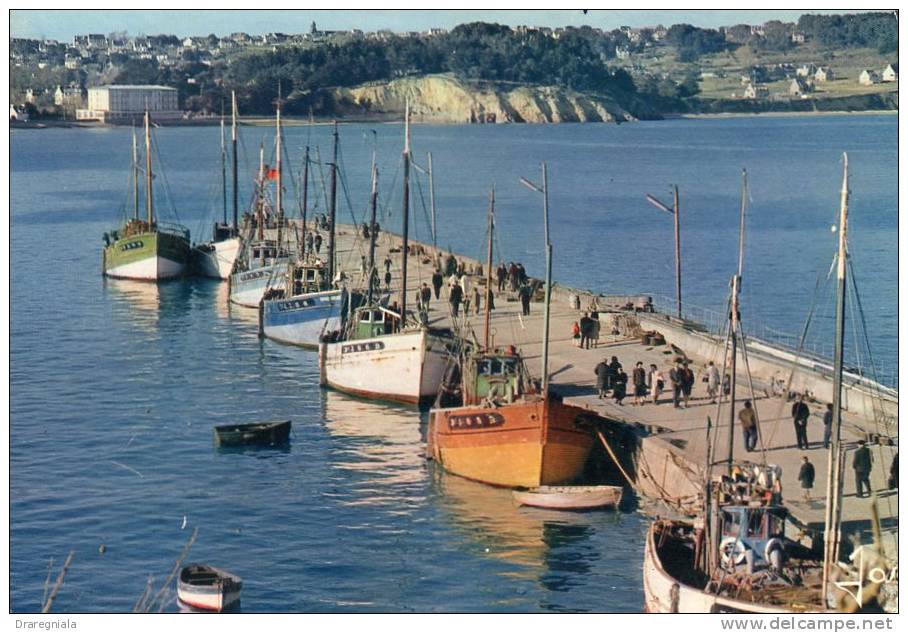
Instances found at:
x=445 y=99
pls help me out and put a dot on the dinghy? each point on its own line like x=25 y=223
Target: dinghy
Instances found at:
x=570 y=497
x=208 y=588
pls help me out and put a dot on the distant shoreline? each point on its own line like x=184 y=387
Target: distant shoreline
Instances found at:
x=292 y=121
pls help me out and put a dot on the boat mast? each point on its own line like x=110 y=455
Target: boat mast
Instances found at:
x=432 y=202
x=305 y=202
x=333 y=210
x=278 y=197
x=223 y=170
x=149 y=195
x=734 y=324
x=261 y=199
x=405 y=246
x=233 y=142
x=548 y=282
x=833 y=516
x=488 y=313
x=374 y=207
x=135 y=175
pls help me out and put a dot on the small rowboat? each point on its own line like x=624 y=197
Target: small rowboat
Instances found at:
x=208 y=588
x=569 y=497
x=274 y=433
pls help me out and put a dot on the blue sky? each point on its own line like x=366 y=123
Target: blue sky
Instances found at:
x=62 y=25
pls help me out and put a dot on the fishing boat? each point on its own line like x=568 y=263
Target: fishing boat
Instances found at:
x=494 y=424
x=307 y=304
x=570 y=497
x=387 y=353
x=276 y=433
x=217 y=258
x=263 y=262
x=208 y=588
x=145 y=249
x=736 y=557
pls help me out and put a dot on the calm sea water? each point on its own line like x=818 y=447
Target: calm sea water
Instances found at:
x=115 y=385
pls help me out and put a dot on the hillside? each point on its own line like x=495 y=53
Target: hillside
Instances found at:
x=447 y=99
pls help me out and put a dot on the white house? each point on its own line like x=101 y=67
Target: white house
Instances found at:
x=868 y=78
x=891 y=73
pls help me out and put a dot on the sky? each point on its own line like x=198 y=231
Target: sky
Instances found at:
x=63 y=24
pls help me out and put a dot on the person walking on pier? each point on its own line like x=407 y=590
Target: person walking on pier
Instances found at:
x=827 y=425
x=614 y=368
x=525 y=293
x=454 y=297
x=477 y=299
x=712 y=381
x=575 y=333
x=639 y=384
x=466 y=285
x=656 y=383
x=512 y=276
x=806 y=476
x=425 y=296
x=862 y=464
x=748 y=419
x=490 y=297
x=675 y=376
x=437 y=282
x=502 y=274
x=586 y=324
x=619 y=386
x=687 y=382
x=602 y=378
x=309 y=240
x=800 y=413
x=318 y=243
x=387 y=263
x=388 y=280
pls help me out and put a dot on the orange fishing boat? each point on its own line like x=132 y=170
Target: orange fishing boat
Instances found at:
x=493 y=423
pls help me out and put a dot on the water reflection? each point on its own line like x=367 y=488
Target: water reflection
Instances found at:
x=381 y=443
x=551 y=548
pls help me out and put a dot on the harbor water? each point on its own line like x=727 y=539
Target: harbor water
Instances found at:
x=115 y=385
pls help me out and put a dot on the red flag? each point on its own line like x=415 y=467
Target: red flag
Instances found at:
x=271 y=174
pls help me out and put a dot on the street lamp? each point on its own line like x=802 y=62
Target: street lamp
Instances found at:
x=674 y=210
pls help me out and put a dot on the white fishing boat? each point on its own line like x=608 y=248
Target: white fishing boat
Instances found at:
x=218 y=258
x=386 y=353
x=208 y=588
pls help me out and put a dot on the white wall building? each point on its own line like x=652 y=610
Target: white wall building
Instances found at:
x=126 y=103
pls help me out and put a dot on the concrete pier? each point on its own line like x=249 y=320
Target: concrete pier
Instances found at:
x=670 y=453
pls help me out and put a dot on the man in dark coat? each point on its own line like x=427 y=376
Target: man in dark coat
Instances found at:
x=513 y=276
x=619 y=385
x=602 y=374
x=614 y=368
x=438 y=281
x=425 y=296
x=318 y=242
x=806 y=476
x=525 y=293
x=827 y=425
x=491 y=299
x=502 y=274
x=676 y=377
x=455 y=296
x=586 y=326
x=862 y=464
x=800 y=412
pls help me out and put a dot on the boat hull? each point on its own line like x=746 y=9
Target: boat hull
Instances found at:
x=151 y=256
x=260 y=434
x=522 y=445
x=208 y=588
x=247 y=288
x=405 y=367
x=216 y=259
x=570 y=497
x=301 y=320
x=662 y=593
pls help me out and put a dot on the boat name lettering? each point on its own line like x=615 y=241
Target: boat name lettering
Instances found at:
x=256 y=274
x=475 y=421
x=353 y=348
x=294 y=304
x=131 y=246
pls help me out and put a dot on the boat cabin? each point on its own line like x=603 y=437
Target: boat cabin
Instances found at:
x=499 y=376
x=373 y=321
x=222 y=232
x=267 y=251
x=309 y=277
x=752 y=535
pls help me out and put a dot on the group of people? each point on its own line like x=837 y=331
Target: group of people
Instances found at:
x=463 y=291
x=513 y=275
x=611 y=378
x=313 y=241
x=586 y=330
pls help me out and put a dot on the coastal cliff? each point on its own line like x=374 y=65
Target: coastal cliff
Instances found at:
x=446 y=99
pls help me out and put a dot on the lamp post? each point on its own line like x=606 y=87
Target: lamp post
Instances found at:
x=674 y=210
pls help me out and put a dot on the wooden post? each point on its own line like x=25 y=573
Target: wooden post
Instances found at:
x=405 y=248
x=332 y=210
x=432 y=201
x=235 y=185
x=488 y=313
x=548 y=281
x=149 y=194
x=677 y=215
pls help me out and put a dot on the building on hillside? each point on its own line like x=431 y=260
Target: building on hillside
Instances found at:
x=798 y=38
x=868 y=78
x=17 y=114
x=823 y=75
x=69 y=96
x=891 y=73
x=807 y=70
x=123 y=104
x=756 y=91
x=622 y=52
x=799 y=87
